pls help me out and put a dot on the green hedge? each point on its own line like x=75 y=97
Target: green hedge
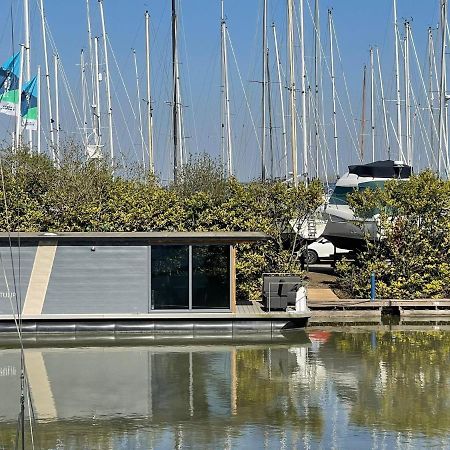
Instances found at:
x=411 y=256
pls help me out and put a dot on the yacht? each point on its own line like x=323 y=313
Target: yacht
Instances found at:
x=343 y=228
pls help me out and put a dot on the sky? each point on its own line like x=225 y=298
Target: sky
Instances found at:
x=359 y=24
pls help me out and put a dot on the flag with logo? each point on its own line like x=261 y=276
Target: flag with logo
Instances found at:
x=9 y=85
x=29 y=106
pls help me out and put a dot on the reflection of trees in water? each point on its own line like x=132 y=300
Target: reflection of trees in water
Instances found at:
x=387 y=381
x=266 y=395
x=404 y=380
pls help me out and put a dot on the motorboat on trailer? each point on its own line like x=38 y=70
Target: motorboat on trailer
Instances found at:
x=343 y=228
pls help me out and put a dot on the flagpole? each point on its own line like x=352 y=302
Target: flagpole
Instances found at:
x=19 y=102
x=39 y=110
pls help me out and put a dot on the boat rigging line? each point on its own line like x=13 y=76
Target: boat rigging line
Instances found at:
x=17 y=317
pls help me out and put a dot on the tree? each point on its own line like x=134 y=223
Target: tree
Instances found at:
x=411 y=254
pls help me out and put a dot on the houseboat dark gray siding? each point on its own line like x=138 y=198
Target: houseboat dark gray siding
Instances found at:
x=122 y=282
x=118 y=273
x=167 y=281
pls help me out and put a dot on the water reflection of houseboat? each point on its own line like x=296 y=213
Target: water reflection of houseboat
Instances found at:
x=157 y=386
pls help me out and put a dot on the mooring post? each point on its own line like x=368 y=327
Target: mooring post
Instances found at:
x=372 y=287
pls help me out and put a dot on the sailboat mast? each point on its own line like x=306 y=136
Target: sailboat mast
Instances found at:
x=443 y=144
x=226 y=116
x=292 y=88
x=57 y=124
x=269 y=103
x=222 y=113
x=96 y=105
x=83 y=96
x=17 y=140
x=138 y=95
x=39 y=110
x=383 y=102
x=108 y=83
x=372 y=102
x=317 y=82
x=47 y=78
x=176 y=136
x=26 y=14
x=151 y=165
x=363 y=117
x=407 y=96
x=397 y=86
x=333 y=90
x=305 y=133
x=283 y=118
x=430 y=85
x=263 y=96
x=91 y=60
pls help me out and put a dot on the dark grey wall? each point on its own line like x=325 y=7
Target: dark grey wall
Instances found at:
x=111 y=279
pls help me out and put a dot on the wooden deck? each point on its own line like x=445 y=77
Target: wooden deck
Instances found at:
x=254 y=308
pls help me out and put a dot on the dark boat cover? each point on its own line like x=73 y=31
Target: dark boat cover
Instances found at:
x=381 y=169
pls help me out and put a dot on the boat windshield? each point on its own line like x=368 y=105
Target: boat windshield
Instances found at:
x=339 y=195
x=379 y=184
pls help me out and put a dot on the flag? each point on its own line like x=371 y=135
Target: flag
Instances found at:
x=9 y=85
x=28 y=105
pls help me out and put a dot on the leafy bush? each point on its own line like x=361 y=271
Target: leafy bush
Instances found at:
x=411 y=256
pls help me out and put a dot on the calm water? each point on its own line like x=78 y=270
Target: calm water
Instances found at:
x=361 y=390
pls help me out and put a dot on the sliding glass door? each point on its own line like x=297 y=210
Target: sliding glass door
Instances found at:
x=190 y=277
x=170 y=276
x=210 y=276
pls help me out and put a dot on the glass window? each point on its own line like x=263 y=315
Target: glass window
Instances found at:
x=339 y=196
x=371 y=185
x=170 y=276
x=211 y=276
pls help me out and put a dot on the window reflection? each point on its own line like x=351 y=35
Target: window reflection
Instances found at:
x=170 y=276
x=211 y=276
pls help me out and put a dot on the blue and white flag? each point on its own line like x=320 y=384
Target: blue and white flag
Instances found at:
x=28 y=105
x=9 y=85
